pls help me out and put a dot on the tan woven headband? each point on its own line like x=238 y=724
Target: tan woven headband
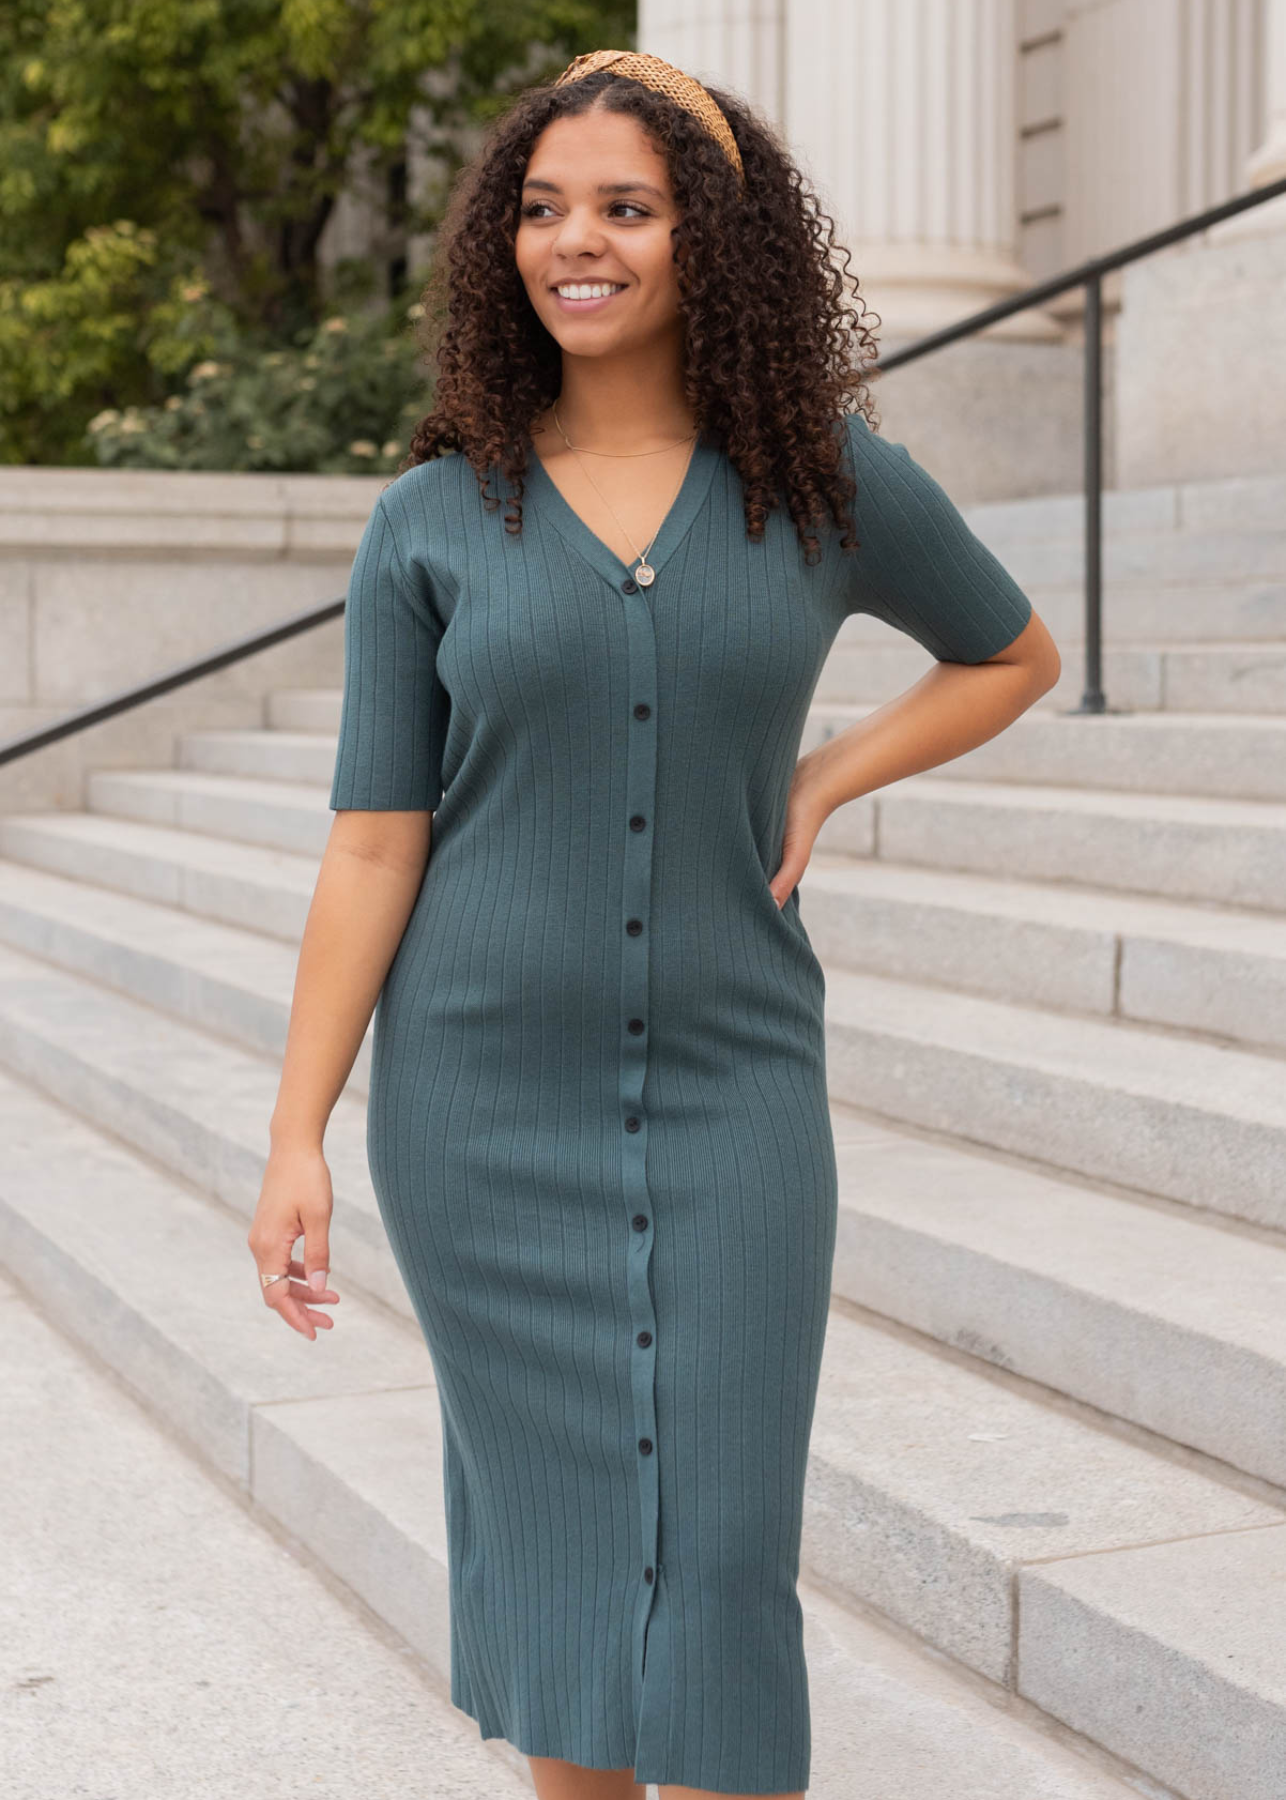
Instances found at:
x=665 y=79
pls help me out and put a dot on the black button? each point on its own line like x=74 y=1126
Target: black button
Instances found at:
x=645 y=1338
x=634 y=926
x=637 y=822
x=640 y=1221
x=629 y=585
x=645 y=1445
x=631 y=1124
x=647 y=1576
x=635 y=1027
x=642 y=710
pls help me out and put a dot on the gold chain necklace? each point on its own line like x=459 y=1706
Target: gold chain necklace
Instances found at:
x=644 y=573
x=589 y=452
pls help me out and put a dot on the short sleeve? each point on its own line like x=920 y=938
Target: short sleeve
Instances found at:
x=395 y=710
x=919 y=566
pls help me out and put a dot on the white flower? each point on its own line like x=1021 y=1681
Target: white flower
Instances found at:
x=416 y=311
x=108 y=416
x=362 y=447
x=174 y=402
x=392 y=448
x=204 y=370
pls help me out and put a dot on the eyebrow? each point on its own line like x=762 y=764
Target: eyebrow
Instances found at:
x=604 y=187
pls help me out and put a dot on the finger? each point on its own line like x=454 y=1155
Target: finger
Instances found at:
x=316 y=1258
x=294 y=1313
x=290 y=1303
x=787 y=879
x=279 y=1295
x=308 y=1288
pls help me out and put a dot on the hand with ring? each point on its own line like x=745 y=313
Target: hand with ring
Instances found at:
x=296 y=1201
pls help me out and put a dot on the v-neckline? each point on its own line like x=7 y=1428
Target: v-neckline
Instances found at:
x=683 y=510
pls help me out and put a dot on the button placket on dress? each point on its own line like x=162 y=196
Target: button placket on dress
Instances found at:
x=637 y=825
x=636 y=936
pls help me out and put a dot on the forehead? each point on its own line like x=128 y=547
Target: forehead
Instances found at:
x=585 y=149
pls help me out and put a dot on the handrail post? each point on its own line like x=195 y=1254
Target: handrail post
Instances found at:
x=1093 y=699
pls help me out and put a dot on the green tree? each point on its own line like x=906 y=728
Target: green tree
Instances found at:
x=168 y=168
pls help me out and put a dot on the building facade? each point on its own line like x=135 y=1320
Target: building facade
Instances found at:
x=968 y=148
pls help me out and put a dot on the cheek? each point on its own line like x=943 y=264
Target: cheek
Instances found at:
x=661 y=276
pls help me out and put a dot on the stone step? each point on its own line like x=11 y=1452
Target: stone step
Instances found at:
x=1187 y=1118
x=1215 y=755
x=1193 y=1119
x=165 y=1287
x=1150 y=557
x=934 y=1488
x=1169 y=1654
x=1237 y=502
x=144 y=1604
x=1143 y=612
x=1219 y=970
x=1201 y=677
x=263 y=889
x=305 y=709
x=1207 y=755
x=1180 y=1336
x=1154 y=1111
x=196 y=1104
x=1230 y=852
x=222 y=977
x=1173 y=678
x=1168 y=1319
x=290 y=816
x=932 y=1483
x=1227 y=852
x=279 y=756
x=878 y=1703
x=99 y=895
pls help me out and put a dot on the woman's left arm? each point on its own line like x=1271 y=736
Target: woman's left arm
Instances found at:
x=953 y=708
x=922 y=569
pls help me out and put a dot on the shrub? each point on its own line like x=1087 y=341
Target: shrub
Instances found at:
x=340 y=400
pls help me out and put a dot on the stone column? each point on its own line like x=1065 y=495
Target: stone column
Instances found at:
x=904 y=114
x=731 y=43
x=1268 y=161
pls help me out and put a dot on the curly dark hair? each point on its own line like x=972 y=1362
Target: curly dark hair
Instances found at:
x=775 y=348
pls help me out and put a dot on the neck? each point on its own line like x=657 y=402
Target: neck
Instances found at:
x=630 y=403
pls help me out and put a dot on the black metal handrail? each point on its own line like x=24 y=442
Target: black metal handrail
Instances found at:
x=1090 y=276
x=176 y=677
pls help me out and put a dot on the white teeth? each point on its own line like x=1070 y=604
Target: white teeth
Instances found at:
x=589 y=290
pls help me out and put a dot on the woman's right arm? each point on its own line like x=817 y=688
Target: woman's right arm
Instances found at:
x=370 y=875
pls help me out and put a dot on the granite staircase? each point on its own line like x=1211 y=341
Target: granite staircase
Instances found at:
x=1045 y=1549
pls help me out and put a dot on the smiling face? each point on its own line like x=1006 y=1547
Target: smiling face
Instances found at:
x=598 y=210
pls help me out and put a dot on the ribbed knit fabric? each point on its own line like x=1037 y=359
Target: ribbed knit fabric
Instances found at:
x=598 y=1126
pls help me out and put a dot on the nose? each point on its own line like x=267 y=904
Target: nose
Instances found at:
x=579 y=233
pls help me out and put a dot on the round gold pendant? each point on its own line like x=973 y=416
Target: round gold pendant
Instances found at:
x=645 y=575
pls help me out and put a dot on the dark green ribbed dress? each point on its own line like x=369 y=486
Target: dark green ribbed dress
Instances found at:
x=598 y=1127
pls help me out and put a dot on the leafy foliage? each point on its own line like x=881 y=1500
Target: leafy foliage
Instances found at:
x=152 y=147
x=337 y=401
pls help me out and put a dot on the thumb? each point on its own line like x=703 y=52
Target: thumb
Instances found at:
x=316 y=1256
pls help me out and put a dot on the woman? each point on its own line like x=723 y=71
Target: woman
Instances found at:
x=598 y=1126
